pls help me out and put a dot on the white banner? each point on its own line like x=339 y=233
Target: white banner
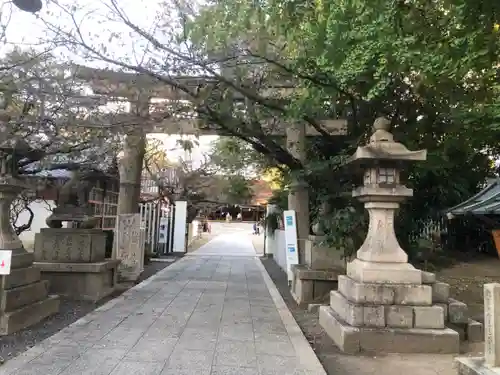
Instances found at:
x=163 y=232
x=291 y=243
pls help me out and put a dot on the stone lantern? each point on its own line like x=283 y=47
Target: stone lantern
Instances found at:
x=382 y=304
x=381 y=259
x=10 y=187
x=24 y=298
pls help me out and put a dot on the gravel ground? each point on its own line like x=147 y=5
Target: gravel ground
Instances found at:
x=69 y=312
x=322 y=345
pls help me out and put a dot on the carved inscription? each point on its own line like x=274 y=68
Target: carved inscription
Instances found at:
x=492 y=324
x=488 y=322
x=129 y=247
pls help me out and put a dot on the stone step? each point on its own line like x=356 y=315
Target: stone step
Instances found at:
x=21 y=260
x=21 y=276
x=13 y=299
x=28 y=315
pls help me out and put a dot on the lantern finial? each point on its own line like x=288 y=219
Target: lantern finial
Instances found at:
x=382 y=123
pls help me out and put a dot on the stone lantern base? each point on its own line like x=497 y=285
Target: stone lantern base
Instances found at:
x=314 y=279
x=386 y=318
x=24 y=298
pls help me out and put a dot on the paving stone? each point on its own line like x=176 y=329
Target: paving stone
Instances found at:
x=226 y=370
x=95 y=362
x=151 y=349
x=138 y=368
x=275 y=328
x=204 y=315
x=193 y=359
x=278 y=365
x=235 y=353
x=275 y=347
x=186 y=371
x=198 y=339
x=236 y=331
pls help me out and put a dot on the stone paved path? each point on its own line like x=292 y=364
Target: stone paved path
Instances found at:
x=215 y=312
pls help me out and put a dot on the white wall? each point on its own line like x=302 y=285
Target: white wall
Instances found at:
x=41 y=210
x=277 y=247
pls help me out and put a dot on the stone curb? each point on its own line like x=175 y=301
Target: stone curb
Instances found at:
x=308 y=359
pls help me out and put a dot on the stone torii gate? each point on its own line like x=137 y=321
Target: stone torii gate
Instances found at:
x=139 y=89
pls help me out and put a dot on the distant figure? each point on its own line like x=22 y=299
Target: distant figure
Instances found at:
x=228 y=217
x=239 y=216
x=256 y=229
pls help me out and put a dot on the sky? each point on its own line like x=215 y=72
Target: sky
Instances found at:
x=95 y=19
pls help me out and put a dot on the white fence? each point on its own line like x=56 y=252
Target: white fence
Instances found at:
x=275 y=245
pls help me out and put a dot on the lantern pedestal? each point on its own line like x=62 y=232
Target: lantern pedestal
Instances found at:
x=381 y=305
x=24 y=298
x=383 y=273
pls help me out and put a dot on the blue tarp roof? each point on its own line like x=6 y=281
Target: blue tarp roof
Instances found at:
x=486 y=202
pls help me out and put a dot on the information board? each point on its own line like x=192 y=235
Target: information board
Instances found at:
x=291 y=243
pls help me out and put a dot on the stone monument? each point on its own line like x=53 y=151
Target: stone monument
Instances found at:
x=322 y=265
x=129 y=247
x=490 y=363
x=73 y=258
x=24 y=298
x=382 y=305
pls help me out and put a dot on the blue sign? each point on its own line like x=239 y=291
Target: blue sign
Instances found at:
x=289 y=221
x=291 y=249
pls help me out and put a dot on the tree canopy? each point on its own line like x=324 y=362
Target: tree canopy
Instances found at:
x=431 y=67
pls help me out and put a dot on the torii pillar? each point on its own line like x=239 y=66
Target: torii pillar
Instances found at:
x=128 y=244
x=298 y=197
x=131 y=163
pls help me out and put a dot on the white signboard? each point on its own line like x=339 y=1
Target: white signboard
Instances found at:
x=180 y=226
x=291 y=243
x=163 y=232
x=5 y=261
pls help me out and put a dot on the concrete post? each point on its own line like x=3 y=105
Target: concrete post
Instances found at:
x=298 y=198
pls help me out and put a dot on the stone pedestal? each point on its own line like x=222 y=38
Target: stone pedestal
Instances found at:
x=129 y=247
x=313 y=280
x=81 y=281
x=387 y=318
x=73 y=261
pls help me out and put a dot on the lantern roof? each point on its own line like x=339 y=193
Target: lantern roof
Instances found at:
x=383 y=147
